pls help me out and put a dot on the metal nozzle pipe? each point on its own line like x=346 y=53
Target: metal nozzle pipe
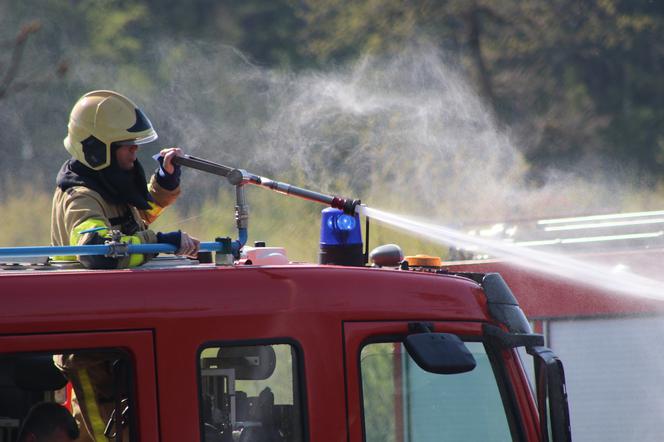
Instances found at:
x=239 y=177
x=345 y=204
x=241 y=208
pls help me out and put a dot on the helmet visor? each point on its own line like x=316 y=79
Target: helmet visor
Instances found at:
x=136 y=141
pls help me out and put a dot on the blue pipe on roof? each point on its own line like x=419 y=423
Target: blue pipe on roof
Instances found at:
x=100 y=249
x=243 y=235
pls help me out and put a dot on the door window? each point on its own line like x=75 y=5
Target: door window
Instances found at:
x=84 y=392
x=402 y=402
x=250 y=392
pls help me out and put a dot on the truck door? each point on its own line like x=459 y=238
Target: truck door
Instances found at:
x=31 y=373
x=390 y=398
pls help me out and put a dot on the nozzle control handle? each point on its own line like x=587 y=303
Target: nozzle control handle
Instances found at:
x=204 y=165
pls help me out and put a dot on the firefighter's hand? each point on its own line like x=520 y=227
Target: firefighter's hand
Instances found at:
x=188 y=246
x=168 y=155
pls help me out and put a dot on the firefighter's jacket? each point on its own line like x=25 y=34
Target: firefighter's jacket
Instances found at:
x=80 y=208
x=98 y=388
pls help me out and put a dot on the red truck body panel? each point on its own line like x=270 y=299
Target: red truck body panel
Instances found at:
x=170 y=313
x=545 y=296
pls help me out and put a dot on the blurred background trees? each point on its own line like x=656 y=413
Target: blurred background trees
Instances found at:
x=577 y=77
x=571 y=82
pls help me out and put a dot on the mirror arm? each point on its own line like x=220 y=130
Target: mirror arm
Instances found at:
x=420 y=327
x=512 y=340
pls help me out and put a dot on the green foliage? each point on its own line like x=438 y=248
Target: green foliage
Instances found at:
x=378 y=388
x=109 y=30
x=280 y=221
x=26 y=218
x=337 y=30
x=265 y=30
x=569 y=80
x=574 y=79
x=113 y=27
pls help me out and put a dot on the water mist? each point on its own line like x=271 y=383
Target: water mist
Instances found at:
x=550 y=263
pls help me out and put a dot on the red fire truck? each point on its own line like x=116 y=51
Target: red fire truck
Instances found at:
x=259 y=349
x=305 y=352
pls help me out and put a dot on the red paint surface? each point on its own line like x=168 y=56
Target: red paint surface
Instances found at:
x=545 y=296
x=168 y=315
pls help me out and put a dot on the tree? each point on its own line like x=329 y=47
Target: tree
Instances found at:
x=10 y=78
x=573 y=79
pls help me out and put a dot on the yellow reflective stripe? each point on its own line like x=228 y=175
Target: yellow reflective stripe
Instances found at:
x=64 y=258
x=90 y=223
x=91 y=409
x=135 y=259
x=75 y=235
x=154 y=210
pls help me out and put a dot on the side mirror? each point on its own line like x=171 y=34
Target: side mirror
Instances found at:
x=440 y=353
x=551 y=396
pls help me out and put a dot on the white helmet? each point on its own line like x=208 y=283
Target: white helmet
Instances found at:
x=100 y=118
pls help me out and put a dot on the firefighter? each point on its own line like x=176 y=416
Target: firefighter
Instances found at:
x=103 y=188
x=100 y=393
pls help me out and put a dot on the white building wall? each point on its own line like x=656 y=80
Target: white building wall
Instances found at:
x=615 y=376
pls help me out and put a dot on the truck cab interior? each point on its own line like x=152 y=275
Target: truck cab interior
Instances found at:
x=250 y=393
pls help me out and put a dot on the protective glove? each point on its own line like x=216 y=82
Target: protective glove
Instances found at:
x=173 y=238
x=169 y=181
x=186 y=245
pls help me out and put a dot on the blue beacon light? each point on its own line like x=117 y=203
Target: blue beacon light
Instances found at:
x=340 y=238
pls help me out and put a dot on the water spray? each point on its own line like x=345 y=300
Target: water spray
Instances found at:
x=549 y=263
